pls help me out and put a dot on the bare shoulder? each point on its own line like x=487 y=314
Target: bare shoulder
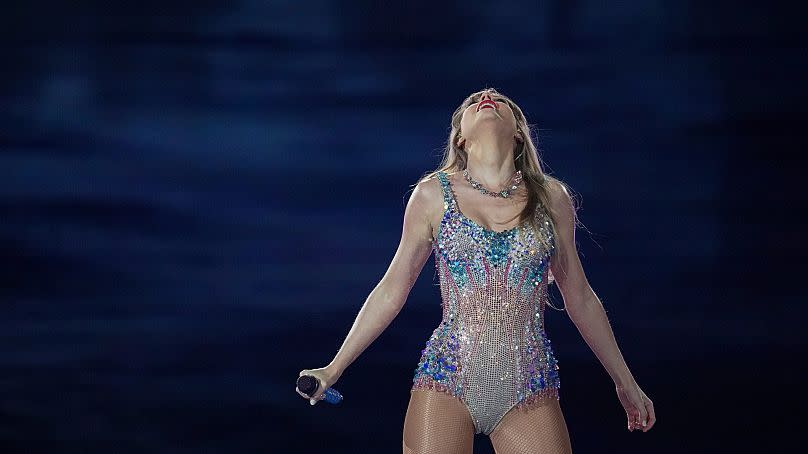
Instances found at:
x=428 y=195
x=560 y=198
x=426 y=203
x=561 y=202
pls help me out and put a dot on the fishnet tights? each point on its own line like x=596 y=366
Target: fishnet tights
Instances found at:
x=437 y=423
x=539 y=429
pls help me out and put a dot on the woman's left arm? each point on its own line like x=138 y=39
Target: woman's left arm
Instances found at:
x=587 y=313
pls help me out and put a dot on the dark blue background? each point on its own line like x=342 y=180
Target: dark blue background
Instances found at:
x=196 y=198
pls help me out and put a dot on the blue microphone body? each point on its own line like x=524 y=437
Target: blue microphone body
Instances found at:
x=332 y=396
x=309 y=385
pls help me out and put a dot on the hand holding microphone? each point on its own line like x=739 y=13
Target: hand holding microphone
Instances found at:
x=314 y=384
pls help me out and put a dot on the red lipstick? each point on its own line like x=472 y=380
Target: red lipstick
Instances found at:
x=486 y=103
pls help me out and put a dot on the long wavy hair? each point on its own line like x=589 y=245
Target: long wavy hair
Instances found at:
x=526 y=159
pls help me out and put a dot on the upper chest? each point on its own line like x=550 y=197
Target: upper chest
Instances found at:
x=492 y=214
x=461 y=240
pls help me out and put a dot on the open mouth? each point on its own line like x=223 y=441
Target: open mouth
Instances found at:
x=485 y=104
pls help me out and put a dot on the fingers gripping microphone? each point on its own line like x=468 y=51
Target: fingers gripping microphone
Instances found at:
x=309 y=385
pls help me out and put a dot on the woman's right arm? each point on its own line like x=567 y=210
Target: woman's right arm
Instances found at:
x=388 y=297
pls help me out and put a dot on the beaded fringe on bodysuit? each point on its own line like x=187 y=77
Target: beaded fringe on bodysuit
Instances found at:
x=490 y=350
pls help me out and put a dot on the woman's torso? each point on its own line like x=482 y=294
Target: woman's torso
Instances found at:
x=490 y=345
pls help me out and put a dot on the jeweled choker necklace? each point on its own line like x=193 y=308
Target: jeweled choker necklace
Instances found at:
x=505 y=193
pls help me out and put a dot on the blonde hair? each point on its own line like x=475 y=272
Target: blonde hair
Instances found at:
x=526 y=159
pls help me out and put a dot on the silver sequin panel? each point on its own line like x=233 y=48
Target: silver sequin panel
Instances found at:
x=490 y=349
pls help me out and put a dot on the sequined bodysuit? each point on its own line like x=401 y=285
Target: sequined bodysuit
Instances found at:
x=490 y=349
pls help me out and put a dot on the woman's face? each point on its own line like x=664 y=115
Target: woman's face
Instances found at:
x=481 y=114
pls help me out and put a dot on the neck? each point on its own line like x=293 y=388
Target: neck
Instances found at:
x=490 y=161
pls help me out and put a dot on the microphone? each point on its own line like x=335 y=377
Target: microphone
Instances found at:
x=308 y=385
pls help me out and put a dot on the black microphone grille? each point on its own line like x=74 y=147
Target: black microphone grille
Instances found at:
x=307 y=384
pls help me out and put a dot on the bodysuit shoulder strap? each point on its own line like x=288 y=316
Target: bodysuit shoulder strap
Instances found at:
x=448 y=197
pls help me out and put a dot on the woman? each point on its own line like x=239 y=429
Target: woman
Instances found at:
x=501 y=231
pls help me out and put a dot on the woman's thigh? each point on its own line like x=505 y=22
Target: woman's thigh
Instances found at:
x=437 y=422
x=537 y=430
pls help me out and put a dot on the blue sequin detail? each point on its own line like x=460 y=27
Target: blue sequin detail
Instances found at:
x=490 y=348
